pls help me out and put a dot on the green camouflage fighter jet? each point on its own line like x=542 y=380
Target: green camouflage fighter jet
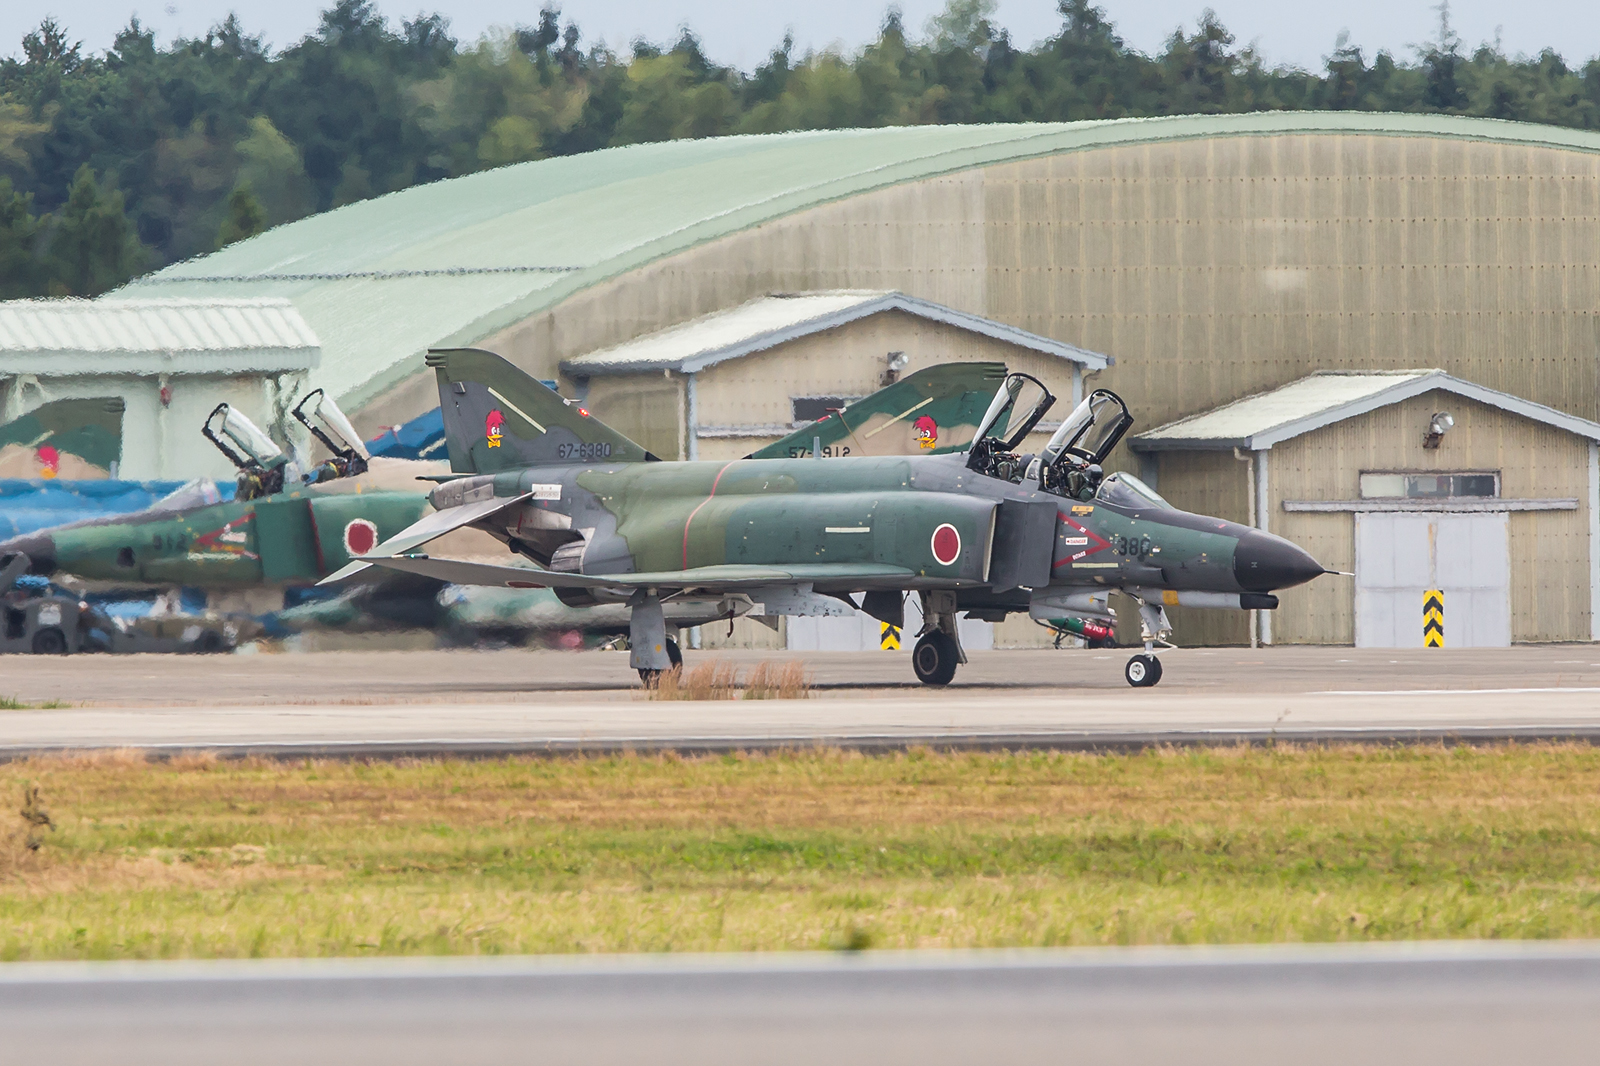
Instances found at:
x=987 y=531
x=933 y=411
x=265 y=536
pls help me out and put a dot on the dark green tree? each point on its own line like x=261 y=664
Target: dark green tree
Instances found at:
x=21 y=273
x=92 y=246
x=245 y=217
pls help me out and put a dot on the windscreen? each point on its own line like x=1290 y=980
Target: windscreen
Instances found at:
x=1125 y=490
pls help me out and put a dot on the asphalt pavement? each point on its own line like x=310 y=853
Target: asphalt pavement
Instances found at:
x=1458 y=1003
x=420 y=703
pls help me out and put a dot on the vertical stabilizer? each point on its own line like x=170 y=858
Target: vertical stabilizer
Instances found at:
x=496 y=417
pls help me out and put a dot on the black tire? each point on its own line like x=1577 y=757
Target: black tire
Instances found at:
x=211 y=642
x=1142 y=671
x=674 y=655
x=49 y=642
x=934 y=659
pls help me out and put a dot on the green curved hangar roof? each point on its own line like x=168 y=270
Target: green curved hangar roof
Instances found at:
x=450 y=263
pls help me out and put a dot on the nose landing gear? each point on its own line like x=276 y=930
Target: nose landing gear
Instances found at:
x=1144 y=670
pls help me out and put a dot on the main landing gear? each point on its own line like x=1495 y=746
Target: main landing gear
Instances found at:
x=650 y=650
x=938 y=650
x=1144 y=670
x=652 y=678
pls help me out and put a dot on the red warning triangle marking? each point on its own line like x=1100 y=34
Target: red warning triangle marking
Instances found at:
x=1096 y=542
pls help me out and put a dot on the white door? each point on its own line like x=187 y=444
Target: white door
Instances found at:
x=1401 y=555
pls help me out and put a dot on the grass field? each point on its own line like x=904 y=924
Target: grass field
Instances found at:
x=813 y=850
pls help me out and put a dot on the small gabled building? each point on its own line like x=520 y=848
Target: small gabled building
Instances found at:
x=166 y=363
x=1413 y=480
x=725 y=384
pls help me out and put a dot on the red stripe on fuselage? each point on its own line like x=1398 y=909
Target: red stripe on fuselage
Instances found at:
x=714 y=483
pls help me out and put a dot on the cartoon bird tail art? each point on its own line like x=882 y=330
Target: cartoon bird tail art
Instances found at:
x=496 y=417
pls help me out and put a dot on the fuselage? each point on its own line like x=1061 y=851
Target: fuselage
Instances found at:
x=290 y=538
x=951 y=526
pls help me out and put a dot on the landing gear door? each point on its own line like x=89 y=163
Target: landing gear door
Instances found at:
x=1024 y=545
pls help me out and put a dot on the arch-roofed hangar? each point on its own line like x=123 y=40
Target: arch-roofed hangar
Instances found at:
x=1212 y=256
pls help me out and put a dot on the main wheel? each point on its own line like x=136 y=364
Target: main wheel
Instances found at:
x=652 y=678
x=934 y=659
x=1142 y=671
x=49 y=642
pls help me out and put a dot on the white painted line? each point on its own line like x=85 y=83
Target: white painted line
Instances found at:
x=1444 y=691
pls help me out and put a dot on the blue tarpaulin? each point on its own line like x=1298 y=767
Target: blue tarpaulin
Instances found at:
x=31 y=504
x=420 y=438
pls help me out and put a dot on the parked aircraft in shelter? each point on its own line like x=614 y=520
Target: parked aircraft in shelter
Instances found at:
x=987 y=531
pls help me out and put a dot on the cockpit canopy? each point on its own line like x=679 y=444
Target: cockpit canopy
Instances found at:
x=1016 y=408
x=1090 y=432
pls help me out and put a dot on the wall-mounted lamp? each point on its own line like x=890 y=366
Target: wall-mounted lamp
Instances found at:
x=897 y=363
x=1438 y=426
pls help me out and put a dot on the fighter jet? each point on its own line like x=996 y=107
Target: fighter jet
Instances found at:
x=988 y=531
x=284 y=526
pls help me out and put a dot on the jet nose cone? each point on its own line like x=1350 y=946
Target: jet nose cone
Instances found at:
x=1263 y=563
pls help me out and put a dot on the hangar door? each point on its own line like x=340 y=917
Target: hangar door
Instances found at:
x=1399 y=555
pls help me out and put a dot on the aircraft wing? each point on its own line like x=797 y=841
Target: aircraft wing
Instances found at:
x=429 y=527
x=718 y=578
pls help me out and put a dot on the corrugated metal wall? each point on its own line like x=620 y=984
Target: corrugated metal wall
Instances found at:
x=1549 y=550
x=1216 y=268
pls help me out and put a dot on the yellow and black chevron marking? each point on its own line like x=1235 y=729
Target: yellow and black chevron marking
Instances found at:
x=888 y=636
x=1433 y=618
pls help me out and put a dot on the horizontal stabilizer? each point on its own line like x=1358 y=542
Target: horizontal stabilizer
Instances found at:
x=430 y=527
x=718 y=578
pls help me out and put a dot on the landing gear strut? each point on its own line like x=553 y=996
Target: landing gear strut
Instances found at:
x=650 y=650
x=1144 y=670
x=938 y=649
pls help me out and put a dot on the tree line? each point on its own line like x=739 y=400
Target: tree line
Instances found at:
x=114 y=164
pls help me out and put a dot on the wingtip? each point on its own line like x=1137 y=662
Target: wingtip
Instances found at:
x=347 y=570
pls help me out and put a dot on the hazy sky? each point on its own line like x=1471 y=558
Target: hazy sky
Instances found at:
x=743 y=32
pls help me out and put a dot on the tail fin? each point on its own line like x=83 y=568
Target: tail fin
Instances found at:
x=498 y=418
x=936 y=409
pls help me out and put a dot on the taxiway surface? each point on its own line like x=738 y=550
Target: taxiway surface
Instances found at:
x=1370 y=1003
x=391 y=703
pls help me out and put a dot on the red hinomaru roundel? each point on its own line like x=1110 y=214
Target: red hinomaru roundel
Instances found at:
x=946 y=544
x=927 y=431
x=360 y=537
x=492 y=427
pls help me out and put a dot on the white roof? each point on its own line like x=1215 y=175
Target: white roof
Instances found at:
x=161 y=336
x=1328 y=396
x=772 y=320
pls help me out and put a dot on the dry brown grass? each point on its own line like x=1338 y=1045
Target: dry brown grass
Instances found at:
x=719 y=679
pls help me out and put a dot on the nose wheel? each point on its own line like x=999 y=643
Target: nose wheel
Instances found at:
x=1142 y=671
